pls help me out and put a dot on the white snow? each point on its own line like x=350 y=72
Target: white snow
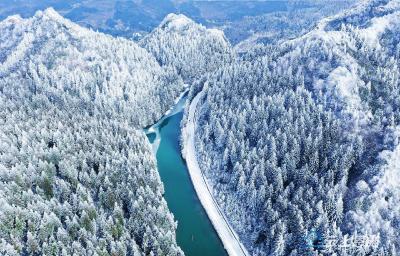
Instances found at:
x=216 y=32
x=50 y=14
x=175 y=21
x=176 y=108
x=17 y=54
x=378 y=26
x=390 y=181
x=13 y=19
x=385 y=198
x=345 y=83
x=228 y=236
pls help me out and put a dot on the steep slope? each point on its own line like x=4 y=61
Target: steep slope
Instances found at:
x=277 y=27
x=189 y=48
x=76 y=174
x=290 y=137
x=101 y=68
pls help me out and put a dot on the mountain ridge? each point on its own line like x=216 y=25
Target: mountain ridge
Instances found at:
x=77 y=173
x=294 y=137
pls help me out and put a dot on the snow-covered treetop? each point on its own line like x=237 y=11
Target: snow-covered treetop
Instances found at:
x=256 y=120
x=361 y=14
x=73 y=105
x=176 y=22
x=190 y=48
x=327 y=54
x=79 y=59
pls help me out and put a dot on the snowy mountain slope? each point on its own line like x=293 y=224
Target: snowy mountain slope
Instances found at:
x=77 y=175
x=277 y=27
x=362 y=14
x=63 y=51
x=286 y=135
x=334 y=53
x=378 y=202
x=189 y=48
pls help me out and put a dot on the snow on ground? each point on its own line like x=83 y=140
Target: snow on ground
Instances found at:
x=378 y=26
x=217 y=33
x=226 y=233
x=17 y=54
x=383 y=199
x=176 y=108
x=175 y=21
x=386 y=197
x=345 y=83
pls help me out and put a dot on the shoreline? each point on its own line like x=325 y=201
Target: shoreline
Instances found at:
x=179 y=104
x=220 y=223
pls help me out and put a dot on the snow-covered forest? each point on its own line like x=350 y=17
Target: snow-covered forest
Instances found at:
x=300 y=140
x=77 y=176
x=189 y=48
x=77 y=172
x=296 y=131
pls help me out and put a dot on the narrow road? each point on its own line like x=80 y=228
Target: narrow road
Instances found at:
x=226 y=233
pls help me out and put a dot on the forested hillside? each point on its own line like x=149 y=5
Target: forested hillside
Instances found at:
x=189 y=48
x=299 y=18
x=77 y=176
x=300 y=140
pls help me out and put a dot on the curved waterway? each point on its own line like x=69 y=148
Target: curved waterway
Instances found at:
x=195 y=233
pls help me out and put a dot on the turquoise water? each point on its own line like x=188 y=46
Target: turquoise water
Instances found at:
x=195 y=234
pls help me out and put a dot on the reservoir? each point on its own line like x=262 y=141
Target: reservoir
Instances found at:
x=195 y=234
